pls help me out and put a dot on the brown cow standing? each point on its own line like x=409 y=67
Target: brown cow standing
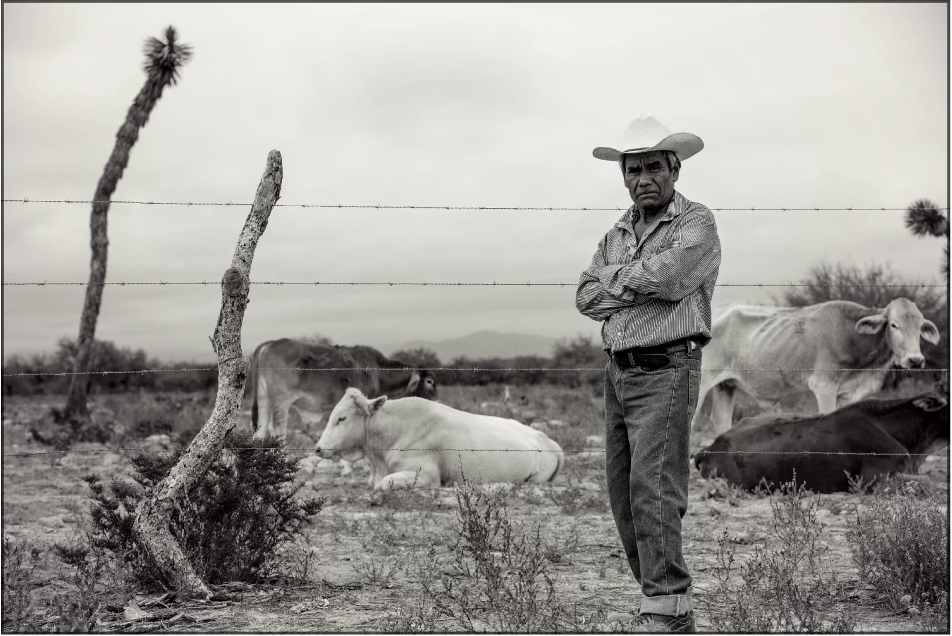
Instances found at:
x=276 y=384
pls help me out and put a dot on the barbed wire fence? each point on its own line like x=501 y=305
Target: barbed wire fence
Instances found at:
x=441 y=369
x=461 y=450
x=405 y=369
x=439 y=284
x=459 y=284
x=341 y=206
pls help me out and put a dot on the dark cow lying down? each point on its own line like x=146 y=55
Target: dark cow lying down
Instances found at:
x=904 y=428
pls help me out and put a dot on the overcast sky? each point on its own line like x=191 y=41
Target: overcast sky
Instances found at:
x=799 y=105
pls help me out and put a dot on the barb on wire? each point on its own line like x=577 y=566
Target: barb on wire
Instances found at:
x=467 y=450
x=405 y=369
x=341 y=206
x=439 y=284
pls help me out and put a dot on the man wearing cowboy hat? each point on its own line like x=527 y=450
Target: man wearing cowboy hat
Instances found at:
x=650 y=283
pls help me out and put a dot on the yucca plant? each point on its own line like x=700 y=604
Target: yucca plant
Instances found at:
x=163 y=60
x=925 y=218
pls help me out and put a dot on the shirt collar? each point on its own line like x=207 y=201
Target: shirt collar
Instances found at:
x=675 y=208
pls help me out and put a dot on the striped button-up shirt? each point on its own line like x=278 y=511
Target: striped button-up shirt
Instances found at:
x=656 y=290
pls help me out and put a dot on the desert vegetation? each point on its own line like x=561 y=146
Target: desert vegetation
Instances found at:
x=290 y=544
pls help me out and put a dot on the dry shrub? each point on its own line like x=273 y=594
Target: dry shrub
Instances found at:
x=900 y=545
x=499 y=579
x=19 y=564
x=792 y=589
x=573 y=499
x=63 y=601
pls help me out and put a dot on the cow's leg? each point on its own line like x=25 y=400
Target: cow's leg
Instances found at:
x=921 y=479
x=375 y=473
x=875 y=468
x=281 y=410
x=429 y=477
x=825 y=396
x=704 y=411
x=722 y=407
x=825 y=392
x=262 y=410
x=702 y=414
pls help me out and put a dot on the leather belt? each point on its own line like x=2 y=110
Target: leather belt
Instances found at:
x=626 y=357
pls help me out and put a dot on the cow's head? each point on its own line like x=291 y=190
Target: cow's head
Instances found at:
x=936 y=399
x=346 y=428
x=930 y=403
x=901 y=324
x=422 y=384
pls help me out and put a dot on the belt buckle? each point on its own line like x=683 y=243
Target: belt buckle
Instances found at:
x=624 y=359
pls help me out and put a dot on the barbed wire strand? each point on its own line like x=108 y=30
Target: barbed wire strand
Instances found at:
x=341 y=206
x=445 y=284
x=466 y=450
x=405 y=369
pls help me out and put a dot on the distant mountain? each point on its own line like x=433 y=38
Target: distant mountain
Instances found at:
x=485 y=344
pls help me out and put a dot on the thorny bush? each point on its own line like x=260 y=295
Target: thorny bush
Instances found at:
x=230 y=526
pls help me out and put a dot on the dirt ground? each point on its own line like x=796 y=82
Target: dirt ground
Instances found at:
x=356 y=545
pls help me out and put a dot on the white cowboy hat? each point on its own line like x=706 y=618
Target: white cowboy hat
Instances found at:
x=647 y=134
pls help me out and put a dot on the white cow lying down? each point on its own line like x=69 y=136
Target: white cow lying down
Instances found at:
x=441 y=438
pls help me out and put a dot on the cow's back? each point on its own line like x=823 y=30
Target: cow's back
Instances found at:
x=298 y=369
x=775 y=349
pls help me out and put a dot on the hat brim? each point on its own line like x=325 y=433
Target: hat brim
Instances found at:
x=684 y=145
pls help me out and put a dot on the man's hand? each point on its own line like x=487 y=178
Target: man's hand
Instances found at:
x=676 y=242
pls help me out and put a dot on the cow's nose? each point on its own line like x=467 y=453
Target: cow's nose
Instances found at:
x=917 y=362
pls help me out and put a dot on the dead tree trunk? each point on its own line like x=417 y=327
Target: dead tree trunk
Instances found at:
x=76 y=411
x=151 y=527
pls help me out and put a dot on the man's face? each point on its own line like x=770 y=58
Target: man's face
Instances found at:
x=649 y=180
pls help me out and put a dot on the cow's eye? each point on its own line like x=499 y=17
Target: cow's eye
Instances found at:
x=894 y=325
x=342 y=418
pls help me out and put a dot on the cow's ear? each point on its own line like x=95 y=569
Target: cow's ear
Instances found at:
x=929 y=332
x=374 y=405
x=942 y=385
x=414 y=382
x=871 y=324
x=929 y=403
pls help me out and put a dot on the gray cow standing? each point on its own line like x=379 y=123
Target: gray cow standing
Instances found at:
x=838 y=350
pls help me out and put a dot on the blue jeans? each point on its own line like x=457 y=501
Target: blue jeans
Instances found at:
x=648 y=415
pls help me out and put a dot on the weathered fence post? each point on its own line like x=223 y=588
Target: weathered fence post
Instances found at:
x=151 y=527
